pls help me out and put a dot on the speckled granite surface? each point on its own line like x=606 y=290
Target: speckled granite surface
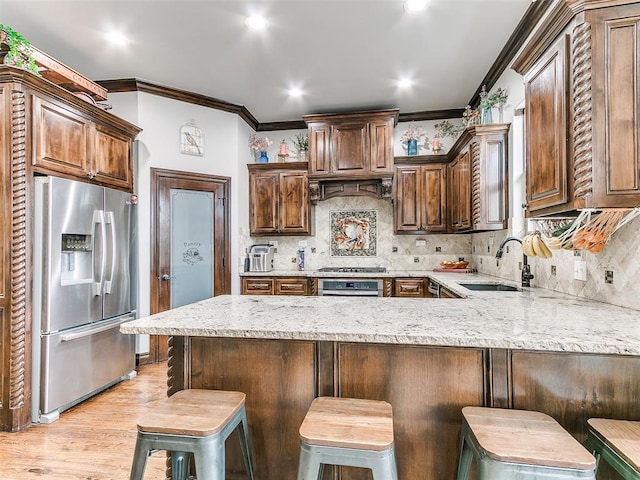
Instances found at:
x=533 y=319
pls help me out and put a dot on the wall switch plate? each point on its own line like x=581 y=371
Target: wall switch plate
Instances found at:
x=421 y=243
x=580 y=270
x=491 y=239
x=302 y=243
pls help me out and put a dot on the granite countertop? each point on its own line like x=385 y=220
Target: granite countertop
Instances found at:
x=318 y=274
x=531 y=319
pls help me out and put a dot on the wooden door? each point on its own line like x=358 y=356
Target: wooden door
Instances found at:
x=406 y=208
x=264 y=192
x=293 y=202
x=546 y=165
x=434 y=198
x=166 y=184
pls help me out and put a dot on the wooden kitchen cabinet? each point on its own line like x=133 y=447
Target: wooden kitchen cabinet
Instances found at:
x=46 y=130
x=459 y=192
x=275 y=286
x=582 y=114
x=278 y=199
x=420 y=201
x=69 y=143
x=410 y=287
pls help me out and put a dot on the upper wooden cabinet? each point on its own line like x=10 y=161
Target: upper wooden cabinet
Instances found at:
x=278 y=199
x=582 y=111
x=69 y=143
x=351 y=153
x=478 y=195
x=420 y=198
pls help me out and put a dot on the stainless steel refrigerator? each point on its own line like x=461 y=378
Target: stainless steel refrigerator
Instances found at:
x=82 y=292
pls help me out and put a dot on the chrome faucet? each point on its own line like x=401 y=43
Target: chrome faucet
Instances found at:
x=527 y=276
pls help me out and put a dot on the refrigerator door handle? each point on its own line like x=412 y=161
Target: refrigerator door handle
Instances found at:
x=110 y=219
x=98 y=220
x=92 y=331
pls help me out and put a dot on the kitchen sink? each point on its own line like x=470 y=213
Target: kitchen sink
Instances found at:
x=489 y=287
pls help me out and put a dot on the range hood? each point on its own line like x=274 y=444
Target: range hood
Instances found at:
x=351 y=154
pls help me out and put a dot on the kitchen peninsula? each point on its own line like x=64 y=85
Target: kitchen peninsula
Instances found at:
x=533 y=349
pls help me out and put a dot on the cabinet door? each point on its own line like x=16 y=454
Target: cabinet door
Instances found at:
x=112 y=161
x=459 y=198
x=381 y=132
x=546 y=87
x=350 y=147
x=257 y=286
x=61 y=139
x=263 y=202
x=409 y=287
x=319 y=153
x=434 y=198
x=407 y=210
x=291 y=286
x=293 y=203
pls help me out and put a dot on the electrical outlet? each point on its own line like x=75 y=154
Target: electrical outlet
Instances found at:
x=302 y=243
x=421 y=243
x=608 y=276
x=491 y=239
x=416 y=259
x=580 y=270
x=438 y=249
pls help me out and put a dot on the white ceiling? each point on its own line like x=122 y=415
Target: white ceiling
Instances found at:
x=344 y=54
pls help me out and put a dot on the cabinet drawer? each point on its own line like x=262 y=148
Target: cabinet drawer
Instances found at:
x=409 y=287
x=257 y=286
x=291 y=286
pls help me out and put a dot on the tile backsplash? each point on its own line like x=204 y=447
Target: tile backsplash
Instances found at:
x=396 y=252
x=425 y=252
x=621 y=256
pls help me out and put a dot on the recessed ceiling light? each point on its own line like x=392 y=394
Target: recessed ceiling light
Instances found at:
x=415 y=5
x=117 y=38
x=256 y=22
x=295 y=92
x=405 y=83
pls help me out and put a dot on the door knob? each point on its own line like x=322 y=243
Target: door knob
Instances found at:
x=166 y=278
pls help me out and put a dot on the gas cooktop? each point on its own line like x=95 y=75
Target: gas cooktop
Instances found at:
x=353 y=269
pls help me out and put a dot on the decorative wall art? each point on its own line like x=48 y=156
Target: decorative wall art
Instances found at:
x=354 y=233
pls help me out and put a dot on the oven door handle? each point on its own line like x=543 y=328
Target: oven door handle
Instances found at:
x=349 y=293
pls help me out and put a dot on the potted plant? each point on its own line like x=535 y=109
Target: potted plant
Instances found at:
x=444 y=129
x=301 y=144
x=487 y=102
x=20 y=52
x=260 y=144
x=411 y=136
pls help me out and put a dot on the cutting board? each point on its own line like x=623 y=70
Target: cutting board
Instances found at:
x=455 y=270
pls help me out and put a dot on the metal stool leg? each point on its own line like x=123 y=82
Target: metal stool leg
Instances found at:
x=245 y=445
x=179 y=465
x=210 y=460
x=309 y=467
x=384 y=468
x=142 y=451
x=466 y=457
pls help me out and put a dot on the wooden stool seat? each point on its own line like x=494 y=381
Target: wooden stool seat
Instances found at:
x=348 y=423
x=618 y=443
x=193 y=422
x=505 y=441
x=192 y=412
x=350 y=432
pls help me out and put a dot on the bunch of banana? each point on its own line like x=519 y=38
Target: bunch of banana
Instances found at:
x=533 y=246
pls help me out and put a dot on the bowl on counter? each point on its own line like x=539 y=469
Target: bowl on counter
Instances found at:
x=455 y=264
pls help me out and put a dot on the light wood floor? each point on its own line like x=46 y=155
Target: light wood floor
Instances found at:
x=92 y=441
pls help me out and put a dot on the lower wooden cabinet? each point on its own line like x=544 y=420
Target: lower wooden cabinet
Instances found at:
x=275 y=286
x=410 y=287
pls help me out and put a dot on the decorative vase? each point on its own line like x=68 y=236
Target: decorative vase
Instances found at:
x=486 y=116
x=412 y=147
x=263 y=158
x=501 y=114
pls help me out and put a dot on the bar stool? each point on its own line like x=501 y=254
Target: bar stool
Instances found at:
x=520 y=444
x=349 y=432
x=193 y=422
x=617 y=442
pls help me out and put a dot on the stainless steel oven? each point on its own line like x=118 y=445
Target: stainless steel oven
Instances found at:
x=352 y=286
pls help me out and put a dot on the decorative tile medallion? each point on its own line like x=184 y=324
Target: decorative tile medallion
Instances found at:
x=354 y=233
